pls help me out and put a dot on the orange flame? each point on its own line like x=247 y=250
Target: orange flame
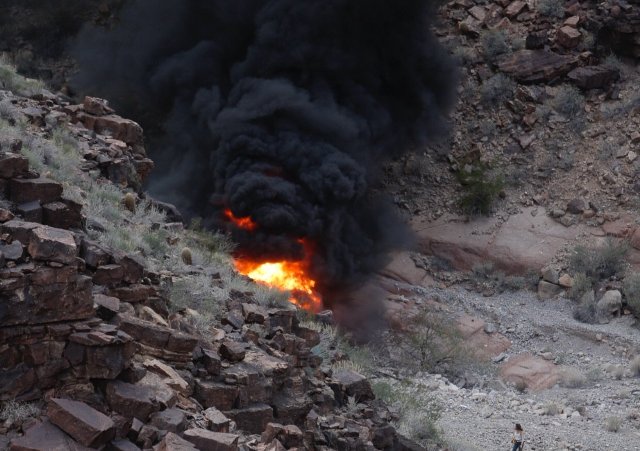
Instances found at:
x=245 y=223
x=289 y=276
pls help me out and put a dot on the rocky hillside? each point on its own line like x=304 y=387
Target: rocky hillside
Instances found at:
x=121 y=329
x=547 y=117
x=519 y=303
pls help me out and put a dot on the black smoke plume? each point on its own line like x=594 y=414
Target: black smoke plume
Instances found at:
x=281 y=110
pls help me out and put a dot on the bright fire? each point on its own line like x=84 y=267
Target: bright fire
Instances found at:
x=242 y=223
x=291 y=276
x=285 y=275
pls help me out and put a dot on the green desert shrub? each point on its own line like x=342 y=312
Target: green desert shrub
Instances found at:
x=631 y=289
x=568 y=101
x=497 y=89
x=551 y=408
x=585 y=311
x=601 y=262
x=200 y=293
x=581 y=285
x=481 y=189
x=613 y=424
x=572 y=378
x=17 y=412
x=494 y=44
x=10 y=80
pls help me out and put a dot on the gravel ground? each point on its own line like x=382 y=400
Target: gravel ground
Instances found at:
x=483 y=419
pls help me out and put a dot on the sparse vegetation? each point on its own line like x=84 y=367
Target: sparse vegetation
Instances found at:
x=613 y=424
x=631 y=289
x=594 y=374
x=551 y=408
x=572 y=378
x=10 y=80
x=497 y=89
x=328 y=337
x=17 y=412
x=617 y=372
x=581 y=285
x=419 y=413
x=568 y=101
x=586 y=311
x=551 y=8
x=270 y=297
x=432 y=343
x=200 y=293
x=494 y=44
x=613 y=62
x=130 y=202
x=634 y=366
x=601 y=262
x=481 y=189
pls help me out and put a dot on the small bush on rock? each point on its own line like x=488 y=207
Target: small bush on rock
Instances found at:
x=481 y=189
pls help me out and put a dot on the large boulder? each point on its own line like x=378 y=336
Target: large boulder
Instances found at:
x=51 y=244
x=28 y=190
x=82 y=422
x=593 y=77
x=252 y=419
x=46 y=437
x=347 y=383
x=131 y=400
x=535 y=66
x=12 y=165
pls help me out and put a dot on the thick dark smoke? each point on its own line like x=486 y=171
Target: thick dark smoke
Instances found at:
x=281 y=110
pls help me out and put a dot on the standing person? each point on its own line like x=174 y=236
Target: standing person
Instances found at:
x=518 y=438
